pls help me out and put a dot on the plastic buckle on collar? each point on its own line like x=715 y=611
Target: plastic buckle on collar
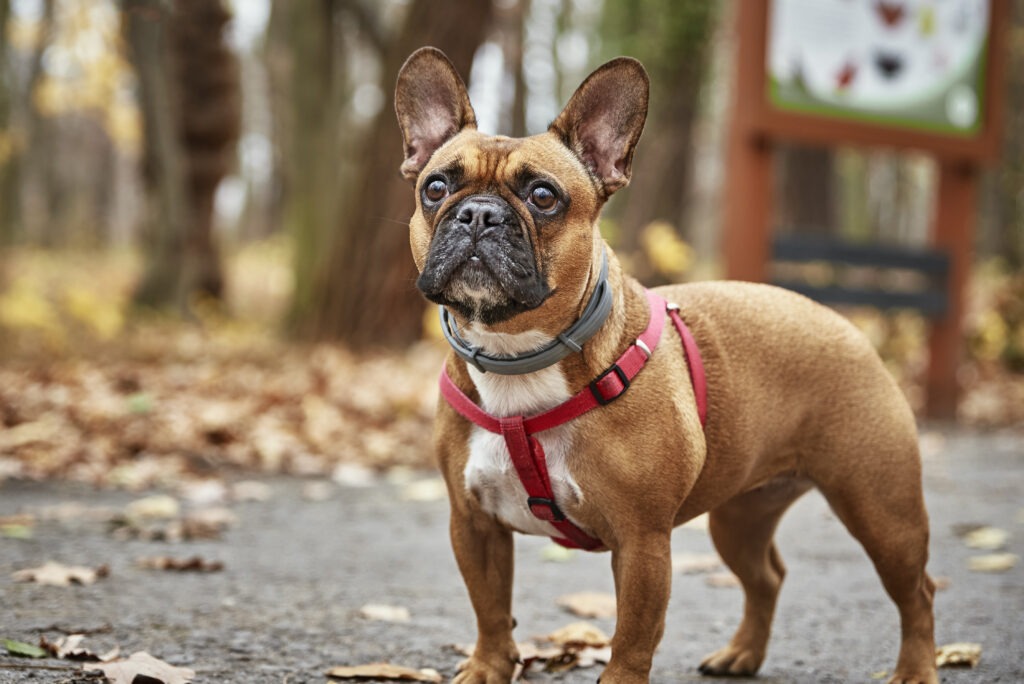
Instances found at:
x=596 y=385
x=545 y=509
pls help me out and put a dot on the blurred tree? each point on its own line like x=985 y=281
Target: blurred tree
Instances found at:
x=362 y=293
x=189 y=97
x=19 y=117
x=306 y=68
x=672 y=38
x=8 y=157
x=1009 y=175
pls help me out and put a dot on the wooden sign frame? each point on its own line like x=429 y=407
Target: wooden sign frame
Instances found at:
x=757 y=125
x=764 y=118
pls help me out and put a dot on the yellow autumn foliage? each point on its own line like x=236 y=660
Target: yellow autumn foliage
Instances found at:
x=670 y=255
x=23 y=307
x=104 y=315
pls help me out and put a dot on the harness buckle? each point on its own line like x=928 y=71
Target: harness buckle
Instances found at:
x=596 y=385
x=545 y=509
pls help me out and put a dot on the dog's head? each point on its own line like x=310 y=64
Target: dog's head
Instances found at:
x=505 y=227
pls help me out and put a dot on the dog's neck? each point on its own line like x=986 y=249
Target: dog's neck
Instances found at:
x=536 y=391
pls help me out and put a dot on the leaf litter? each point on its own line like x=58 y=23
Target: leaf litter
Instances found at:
x=141 y=667
x=57 y=574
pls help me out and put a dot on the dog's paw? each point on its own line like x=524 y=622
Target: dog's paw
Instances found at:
x=732 y=661
x=477 y=671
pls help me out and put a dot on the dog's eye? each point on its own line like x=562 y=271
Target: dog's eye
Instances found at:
x=436 y=190
x=543 y=197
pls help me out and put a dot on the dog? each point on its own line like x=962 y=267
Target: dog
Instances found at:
x=578 y=405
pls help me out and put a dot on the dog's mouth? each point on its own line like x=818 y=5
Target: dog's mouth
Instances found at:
x=481 y=263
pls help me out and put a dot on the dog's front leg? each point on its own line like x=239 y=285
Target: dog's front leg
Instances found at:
x=483 y=549
x=642 y=565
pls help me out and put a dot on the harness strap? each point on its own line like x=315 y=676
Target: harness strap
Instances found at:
x=525 y=450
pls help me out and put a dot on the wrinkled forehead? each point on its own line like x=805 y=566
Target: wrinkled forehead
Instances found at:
x=475 y=157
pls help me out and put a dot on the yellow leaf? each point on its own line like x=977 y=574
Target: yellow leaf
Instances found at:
x=666 y=251
x=958 y=655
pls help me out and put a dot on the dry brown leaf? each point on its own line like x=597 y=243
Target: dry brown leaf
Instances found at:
x=158 y=507
x=383 y=671
x=385 y=613
x=60 y=575
x=207 y=523
x=579 y=634
x=993 y=562
x=961 y=654
x=193 y=564
x=695 y=563
x=986 y=538
x=251 y=490
x=141 y=666
x=588 y=604
x=70 y=648
x=432 y=489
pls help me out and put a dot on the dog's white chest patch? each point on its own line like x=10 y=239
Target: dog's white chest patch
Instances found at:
x=489 y=473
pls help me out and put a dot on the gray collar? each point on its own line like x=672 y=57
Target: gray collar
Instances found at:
x=569 y=341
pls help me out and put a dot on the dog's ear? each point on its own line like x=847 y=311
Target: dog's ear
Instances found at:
x=432 y=106
x=604 y=118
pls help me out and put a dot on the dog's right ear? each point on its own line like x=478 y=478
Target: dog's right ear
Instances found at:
x=432 y=106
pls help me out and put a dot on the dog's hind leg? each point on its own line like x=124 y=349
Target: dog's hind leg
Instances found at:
x=742 y=530
x=884 y=510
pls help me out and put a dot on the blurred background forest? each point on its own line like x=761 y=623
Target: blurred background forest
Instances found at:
x=204 y=258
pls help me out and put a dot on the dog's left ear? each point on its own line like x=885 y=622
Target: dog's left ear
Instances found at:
x=432 y=106
x=604 y=118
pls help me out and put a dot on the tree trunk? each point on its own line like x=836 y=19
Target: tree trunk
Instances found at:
x=9 y=157
x=189 y=96
x=1009 y=176
x=304 y=65
x=364 y=293
x=167 y=213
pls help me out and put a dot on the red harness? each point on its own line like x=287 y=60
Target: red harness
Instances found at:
x=525 y=450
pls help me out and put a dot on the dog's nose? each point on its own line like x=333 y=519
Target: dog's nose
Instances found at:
x=479 y=213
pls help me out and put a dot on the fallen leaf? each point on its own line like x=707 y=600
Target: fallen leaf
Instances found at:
x=958 y=655
x=193 y=564
x=251 y=490
x=383 y=671
x=353 y=475
x=159 y=507
x=433 y=489
x=695 y=563
x=993 y=562
x=722 y=580
x=15 y=531
x=986 y=538
x=204 y=492
x=70 y=648
x=556 y=553
x=588 y=604
x=24 y=650
x=142 y=667
x=385 y=613
x=59 y=575
x=579 y=634
x=207 y=523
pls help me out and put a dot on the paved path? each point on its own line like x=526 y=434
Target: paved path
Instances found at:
x=286 y=607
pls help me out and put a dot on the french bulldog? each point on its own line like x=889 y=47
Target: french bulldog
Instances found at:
x=543 y=430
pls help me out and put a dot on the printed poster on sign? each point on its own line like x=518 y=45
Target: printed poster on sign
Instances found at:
x=913 y=63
